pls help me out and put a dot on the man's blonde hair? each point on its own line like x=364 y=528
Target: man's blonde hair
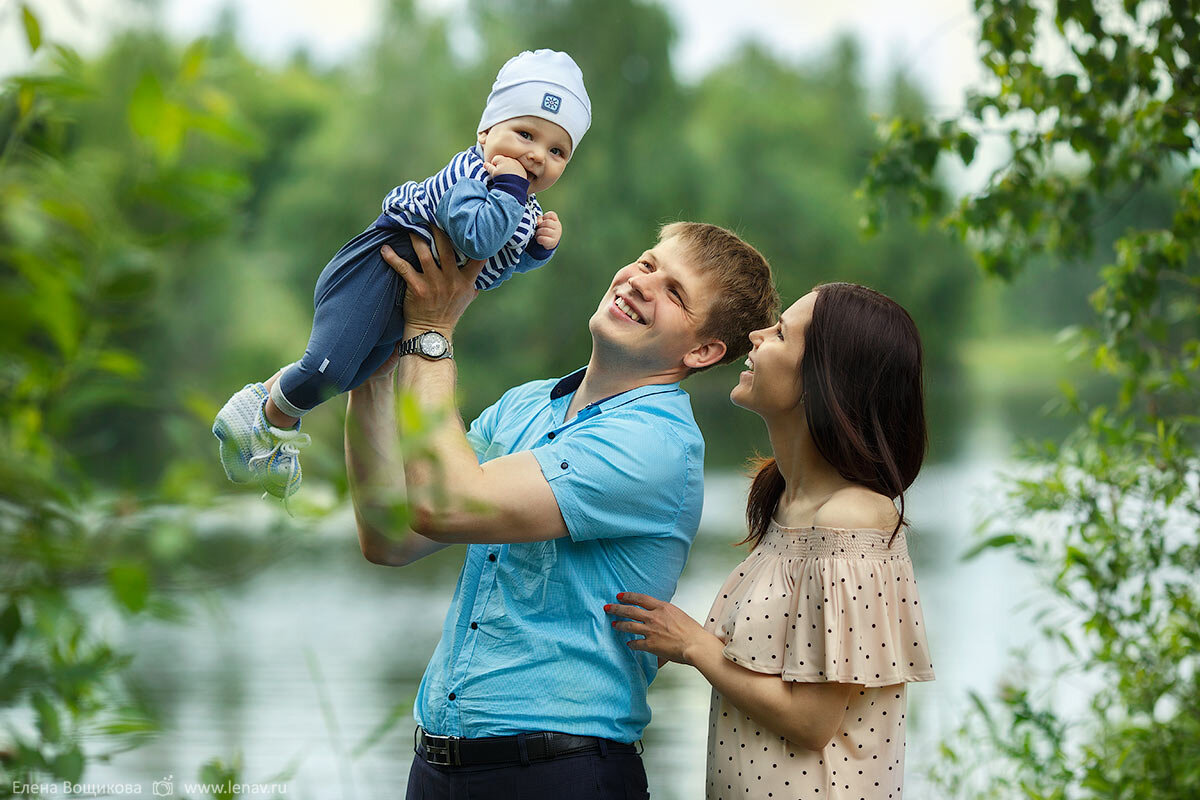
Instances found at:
x=744 y=295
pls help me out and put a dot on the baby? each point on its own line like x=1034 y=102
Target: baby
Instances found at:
x=484 y=199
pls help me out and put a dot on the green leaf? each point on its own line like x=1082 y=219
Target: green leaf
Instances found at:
x=47 y=717
x=33 y=28
x=193 y=60
x=412 y=419
x=966 y=145
x=1003 y=540
x=145 y=105
x=130 y=585
x=222 y=777
x=25 y=98
x=69 y=765
x=10 y=623
x=155 y=119
x=119 y=362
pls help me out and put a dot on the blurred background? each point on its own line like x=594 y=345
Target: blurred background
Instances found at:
x=176 y=174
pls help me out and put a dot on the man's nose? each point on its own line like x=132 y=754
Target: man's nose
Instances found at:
x=643 y=284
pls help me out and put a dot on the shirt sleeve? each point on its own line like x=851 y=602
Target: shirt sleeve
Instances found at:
x=534 y=255
x=483 y=430
x=480 y=221
x=529 y=259
x=613 y=478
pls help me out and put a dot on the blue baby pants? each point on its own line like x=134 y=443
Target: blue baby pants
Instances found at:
x=359 y=302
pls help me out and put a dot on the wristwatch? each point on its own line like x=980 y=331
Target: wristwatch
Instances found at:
x=430 y=344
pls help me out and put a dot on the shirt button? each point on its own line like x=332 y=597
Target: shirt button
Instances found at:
x=491 y=556
x=550 y=435
x=452 y=695
x=474 y=625
x=564 y=465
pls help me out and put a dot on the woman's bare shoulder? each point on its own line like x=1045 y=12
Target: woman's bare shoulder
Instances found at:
x=856 y=507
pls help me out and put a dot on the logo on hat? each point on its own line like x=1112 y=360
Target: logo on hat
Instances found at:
x=551 y=103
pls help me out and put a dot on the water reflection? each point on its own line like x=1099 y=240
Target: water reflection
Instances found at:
x=297 y=666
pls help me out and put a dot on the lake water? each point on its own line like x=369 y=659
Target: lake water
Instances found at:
x=294 y=668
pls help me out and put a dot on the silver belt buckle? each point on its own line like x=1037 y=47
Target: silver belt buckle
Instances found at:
x=440 y=750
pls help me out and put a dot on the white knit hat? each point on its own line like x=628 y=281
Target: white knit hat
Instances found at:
x=540 y=83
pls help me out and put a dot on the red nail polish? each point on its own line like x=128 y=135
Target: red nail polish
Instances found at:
x=607 y=606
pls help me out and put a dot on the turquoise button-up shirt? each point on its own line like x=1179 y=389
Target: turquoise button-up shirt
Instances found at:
x=526 y=645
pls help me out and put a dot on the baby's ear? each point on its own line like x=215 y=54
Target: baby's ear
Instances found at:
x=481 y=137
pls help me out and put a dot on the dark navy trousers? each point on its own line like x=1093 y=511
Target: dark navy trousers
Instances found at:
x=589 y=776
x=359 y=303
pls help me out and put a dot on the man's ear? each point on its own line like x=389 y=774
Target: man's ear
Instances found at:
x=481 y=137
x=705 y=355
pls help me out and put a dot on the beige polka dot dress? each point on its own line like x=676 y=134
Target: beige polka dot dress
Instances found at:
x=820 y=604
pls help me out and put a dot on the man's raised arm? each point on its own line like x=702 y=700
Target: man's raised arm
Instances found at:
x=376 y=473
x=453 y=497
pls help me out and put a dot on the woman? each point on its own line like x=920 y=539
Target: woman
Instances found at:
x=812 y=638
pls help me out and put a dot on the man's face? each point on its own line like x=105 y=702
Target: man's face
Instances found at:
x=655 y=307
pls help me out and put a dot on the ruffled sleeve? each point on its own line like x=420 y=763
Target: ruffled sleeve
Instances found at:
x=824 y=604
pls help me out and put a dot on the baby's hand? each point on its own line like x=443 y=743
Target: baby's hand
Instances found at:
x=503 y=165
x=549 y=230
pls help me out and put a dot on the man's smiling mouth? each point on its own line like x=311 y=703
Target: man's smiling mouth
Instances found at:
x=627 y=310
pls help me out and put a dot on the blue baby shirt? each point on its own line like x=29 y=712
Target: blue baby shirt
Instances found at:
x=484 y=218
x=526 y=645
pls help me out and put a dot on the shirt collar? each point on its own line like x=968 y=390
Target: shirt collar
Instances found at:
x=570 y=383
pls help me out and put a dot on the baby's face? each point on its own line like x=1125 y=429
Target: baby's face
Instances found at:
x=542 y=147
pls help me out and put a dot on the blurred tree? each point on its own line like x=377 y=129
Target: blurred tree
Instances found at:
x=111 y=174
x=784 y=177
x=1111 y=515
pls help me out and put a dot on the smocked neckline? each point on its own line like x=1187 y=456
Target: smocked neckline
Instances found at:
x=830 y=528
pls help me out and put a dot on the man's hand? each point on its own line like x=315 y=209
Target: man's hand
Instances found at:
x=386 y=374
x=437 y=296
x=548 y=231
x=503 y=165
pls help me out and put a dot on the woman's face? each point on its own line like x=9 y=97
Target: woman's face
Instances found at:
x=772 y=384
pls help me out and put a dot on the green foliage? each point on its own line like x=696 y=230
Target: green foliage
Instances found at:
x=1110 y=516
x=104 y=178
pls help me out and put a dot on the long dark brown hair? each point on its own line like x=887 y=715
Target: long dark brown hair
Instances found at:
x=863 y=399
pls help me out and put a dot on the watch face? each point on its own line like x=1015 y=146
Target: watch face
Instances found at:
x=433 y=345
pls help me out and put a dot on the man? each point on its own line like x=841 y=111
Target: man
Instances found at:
x=566 y=492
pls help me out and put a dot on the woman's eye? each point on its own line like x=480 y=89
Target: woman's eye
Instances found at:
x=779 y=332
x=646 y=266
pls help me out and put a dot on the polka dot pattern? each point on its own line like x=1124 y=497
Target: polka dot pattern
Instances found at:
x=820 y=604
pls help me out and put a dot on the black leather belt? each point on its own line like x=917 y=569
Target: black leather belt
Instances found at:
x=523 y=748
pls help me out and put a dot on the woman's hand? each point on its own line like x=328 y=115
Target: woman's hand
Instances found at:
x=667 y=631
